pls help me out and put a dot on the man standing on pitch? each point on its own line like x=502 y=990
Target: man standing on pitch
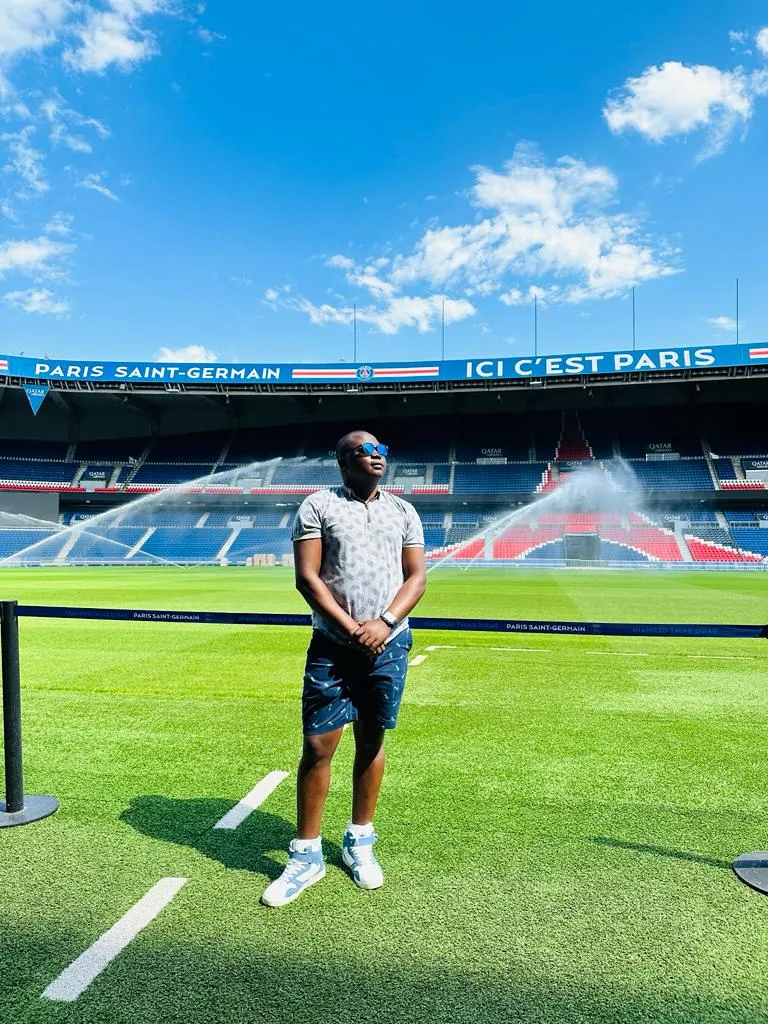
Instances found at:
x=360 y=566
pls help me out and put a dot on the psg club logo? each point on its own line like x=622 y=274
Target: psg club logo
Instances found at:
x=365 y=373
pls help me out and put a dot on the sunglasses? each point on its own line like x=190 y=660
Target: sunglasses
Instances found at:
x=369 y=448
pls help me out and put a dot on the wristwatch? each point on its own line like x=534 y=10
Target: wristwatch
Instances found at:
x=390 y=619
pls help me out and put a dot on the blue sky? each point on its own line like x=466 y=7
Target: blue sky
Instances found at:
x=230 y=180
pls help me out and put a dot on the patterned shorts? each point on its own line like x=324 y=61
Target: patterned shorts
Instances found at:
x=342 y=684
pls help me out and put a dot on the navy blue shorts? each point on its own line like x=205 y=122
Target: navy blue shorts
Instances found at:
x=342 y=684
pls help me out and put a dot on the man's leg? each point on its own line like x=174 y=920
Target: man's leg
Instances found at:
x=368 y=770
x=314 y=780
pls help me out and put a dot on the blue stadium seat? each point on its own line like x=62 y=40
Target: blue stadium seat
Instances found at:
x=754 y=539
x=42 y=472
x=510 y=479
x=14 y=541
x=676 y=475
x=103 y=545
x=185 y=545
x=260 y=542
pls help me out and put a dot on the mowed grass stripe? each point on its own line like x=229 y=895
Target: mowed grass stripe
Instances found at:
x=556 y=828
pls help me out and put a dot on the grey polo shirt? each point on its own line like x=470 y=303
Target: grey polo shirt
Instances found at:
x=362 y=563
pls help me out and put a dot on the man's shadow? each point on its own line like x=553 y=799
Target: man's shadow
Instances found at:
x=249 y=847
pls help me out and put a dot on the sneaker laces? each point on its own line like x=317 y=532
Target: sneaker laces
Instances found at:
x=363 y=852
x=296 y=862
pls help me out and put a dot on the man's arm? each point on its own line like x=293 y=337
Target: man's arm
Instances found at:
x=308 y=555
x=373 y=633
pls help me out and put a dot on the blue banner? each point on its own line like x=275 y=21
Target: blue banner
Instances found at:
x=497 y=368
x=36 y=395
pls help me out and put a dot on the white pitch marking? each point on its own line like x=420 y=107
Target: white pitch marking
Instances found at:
x=722 y=657
x=610 y=654
x=417 y=660
x=237 y=815
x=76 y=978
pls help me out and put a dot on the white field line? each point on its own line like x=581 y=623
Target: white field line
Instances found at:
x=237 y=815
x=610 y=654
x=418 y=660
x=74 y=979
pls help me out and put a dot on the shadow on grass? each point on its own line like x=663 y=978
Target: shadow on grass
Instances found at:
x=190 y=823
x=325 y=979
x=661 y=851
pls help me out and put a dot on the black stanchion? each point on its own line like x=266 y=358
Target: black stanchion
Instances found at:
x=752 y=870
x=17 y=809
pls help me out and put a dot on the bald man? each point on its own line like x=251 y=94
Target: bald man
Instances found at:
x=359 y=555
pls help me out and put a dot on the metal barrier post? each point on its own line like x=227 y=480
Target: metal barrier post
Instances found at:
x=752 y=870
x=17 y=809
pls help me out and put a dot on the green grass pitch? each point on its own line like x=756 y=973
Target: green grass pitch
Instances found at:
x=557 y=820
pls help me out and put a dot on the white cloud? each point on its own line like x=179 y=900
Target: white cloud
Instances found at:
x=206 y=36
x=98 y=34
x=95 y=184
x=532 y=220
x=59 y=224
x=538 y=220
x=190 y=354
x=29 y=25
x=726 y=324
x=37 y=300
x=60 y=136
x=25 y=161
x=340 y=262
x=676 y=99
x=271 y=295
x=739 y=41
x=761 y=39
x=115 y=36
x=515 y=297
x=423 y=313
x=63 y=119
x=34 y=255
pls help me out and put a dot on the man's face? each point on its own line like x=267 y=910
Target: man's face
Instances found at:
x=360 y=465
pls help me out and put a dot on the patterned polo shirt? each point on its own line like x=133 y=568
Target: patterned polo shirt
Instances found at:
x=362 y=561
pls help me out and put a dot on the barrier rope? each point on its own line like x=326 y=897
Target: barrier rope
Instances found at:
x=672 y=629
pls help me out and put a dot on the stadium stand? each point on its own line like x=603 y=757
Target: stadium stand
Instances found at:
x=43 y=471
x=179 y=545
x=678 y=475
x=116 y=450
x=12 y=541
x=448 y=460
x=516 y=478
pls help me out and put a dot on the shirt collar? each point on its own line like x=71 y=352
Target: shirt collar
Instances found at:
x=353 y=497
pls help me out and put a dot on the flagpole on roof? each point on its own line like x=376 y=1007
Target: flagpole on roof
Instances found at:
x=737 y=311
x=354 y=333
x=634 y=333
x=442 y=332
x=535 y=325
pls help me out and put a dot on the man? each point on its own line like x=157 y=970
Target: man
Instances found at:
x=359 y=555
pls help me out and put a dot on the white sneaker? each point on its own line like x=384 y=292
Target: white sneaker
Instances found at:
x=304 y=868
x=357 y=853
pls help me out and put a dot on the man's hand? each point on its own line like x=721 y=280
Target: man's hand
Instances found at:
x=372 y=634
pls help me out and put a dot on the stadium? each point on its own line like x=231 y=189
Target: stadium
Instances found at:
x=225 y=469
x=578 y=799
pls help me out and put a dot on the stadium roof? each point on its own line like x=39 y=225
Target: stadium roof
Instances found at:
x=529 y=371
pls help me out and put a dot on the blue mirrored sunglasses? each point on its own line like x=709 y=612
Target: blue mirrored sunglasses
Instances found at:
x=368 y=448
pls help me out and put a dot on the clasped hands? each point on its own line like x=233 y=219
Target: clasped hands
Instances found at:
x=371 y=634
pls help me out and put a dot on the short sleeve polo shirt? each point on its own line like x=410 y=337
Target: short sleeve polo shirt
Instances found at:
x=362 y=561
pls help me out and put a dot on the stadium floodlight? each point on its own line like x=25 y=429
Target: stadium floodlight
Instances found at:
x=17 y=809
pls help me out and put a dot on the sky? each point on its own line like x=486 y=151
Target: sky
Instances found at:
x=270 y=182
